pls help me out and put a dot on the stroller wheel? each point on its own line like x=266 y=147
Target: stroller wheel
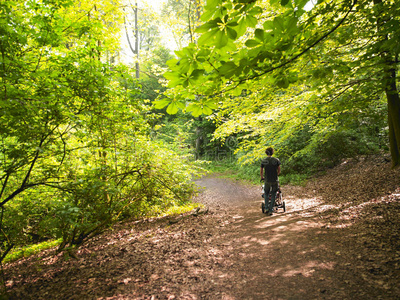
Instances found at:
x=284 y=206
x=263 y=207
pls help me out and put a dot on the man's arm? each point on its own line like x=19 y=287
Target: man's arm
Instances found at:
x=279 y=170
x=261 y=173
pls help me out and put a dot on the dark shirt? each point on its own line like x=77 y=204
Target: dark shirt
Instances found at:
x=270 y=166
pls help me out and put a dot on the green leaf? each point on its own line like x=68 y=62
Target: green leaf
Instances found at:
x=255 y=10
x=172 y=109
x=207 y=110
x=228 y=5
x=265 y=55
x=195 y=109
x=173 y=77
x=159 y=104
x=231 y=33
x=236 y=92
x=202 y=55
x=184 y=65
x=279 y=23
x=232 y=24
x=185 y=82
x=180 y=104
x=207 y=14
x=207 y=26
x=211 y=104
x=293 y=78
x=292 y=24
x=241 y=28
x=282 y=82
x=252 y=43
x=205 y=38
x=253 y=52
x=189 y=50
x=228 y=69
x=230 y=47
x=259 y=34
x=300 y=3
x=251 y=21
x=201 y=107
x=269 y=25
x=220 y=39
x=179 y=53
x=212 y=4
x=284 y=2
x=196 y=74
x=172 y=63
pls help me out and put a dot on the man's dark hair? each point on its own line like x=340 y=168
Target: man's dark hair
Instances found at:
x=269 y=151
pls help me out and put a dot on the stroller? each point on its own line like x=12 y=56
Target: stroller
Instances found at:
x=279 y=203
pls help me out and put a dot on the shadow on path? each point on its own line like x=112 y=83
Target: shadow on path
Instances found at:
x=233 y=252
x=292 y=255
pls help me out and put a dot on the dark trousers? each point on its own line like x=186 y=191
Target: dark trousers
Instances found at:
x=270 y=188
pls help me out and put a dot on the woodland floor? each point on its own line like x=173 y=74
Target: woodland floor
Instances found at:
x=338 y=239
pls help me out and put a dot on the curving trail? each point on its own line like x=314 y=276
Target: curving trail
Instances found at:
x=318 y=249
x=292 y=255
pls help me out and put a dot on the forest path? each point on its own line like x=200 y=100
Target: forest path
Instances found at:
x=321 y=248
x=291 y=255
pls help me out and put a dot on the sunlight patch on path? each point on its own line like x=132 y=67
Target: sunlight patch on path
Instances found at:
x=305 y=270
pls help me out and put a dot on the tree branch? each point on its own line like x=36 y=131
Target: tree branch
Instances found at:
x=298 y=55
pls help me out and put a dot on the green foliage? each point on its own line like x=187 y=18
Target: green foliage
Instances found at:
x=308 y=80
x=229 y=168
x=180 y=18
x=74 y=140
x=294 y=179
x=175 y=210
x=30 y=250
x=152 y=66
x=189 y=136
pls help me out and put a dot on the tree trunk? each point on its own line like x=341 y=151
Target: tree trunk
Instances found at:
x=199 y=142
x=393 y=101
x=392 y=94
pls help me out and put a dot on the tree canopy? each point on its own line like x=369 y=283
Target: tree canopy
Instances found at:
x=310 y=65
x=75 y=147
x=82 y=146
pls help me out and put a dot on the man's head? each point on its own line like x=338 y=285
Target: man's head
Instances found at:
x=269 y=151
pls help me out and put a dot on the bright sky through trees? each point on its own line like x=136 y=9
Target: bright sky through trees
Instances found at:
x=149 y=7
x=156 y=4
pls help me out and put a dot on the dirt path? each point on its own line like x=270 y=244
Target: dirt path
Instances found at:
x=318 y=249
x=292 y=255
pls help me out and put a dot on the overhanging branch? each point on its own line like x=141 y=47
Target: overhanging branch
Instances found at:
x=283 y=64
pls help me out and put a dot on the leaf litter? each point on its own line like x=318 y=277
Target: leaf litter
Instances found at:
x=339 y=239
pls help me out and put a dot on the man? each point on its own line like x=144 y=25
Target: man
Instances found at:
x=269 y=172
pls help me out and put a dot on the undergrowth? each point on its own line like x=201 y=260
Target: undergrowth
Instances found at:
x=224 y=168
x=29 y=250
x=249 y=173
